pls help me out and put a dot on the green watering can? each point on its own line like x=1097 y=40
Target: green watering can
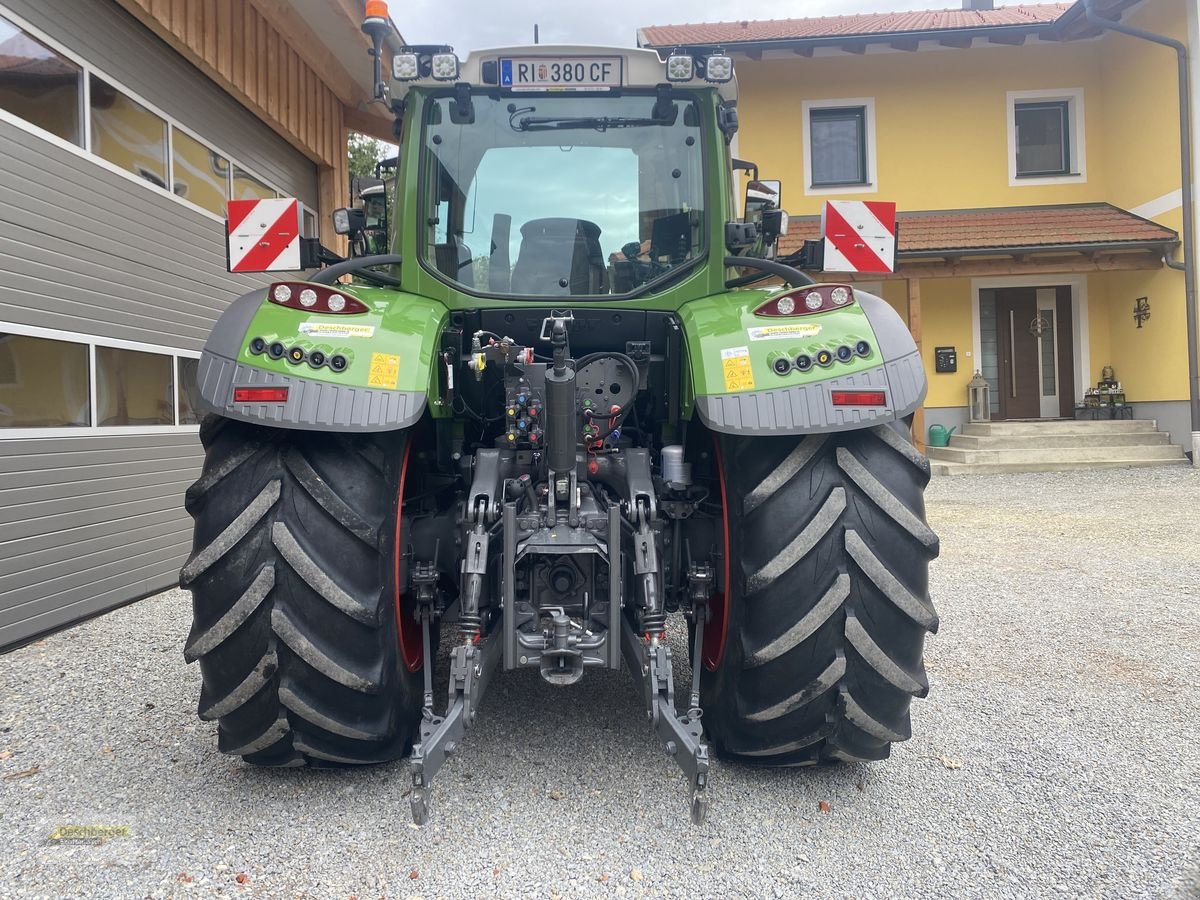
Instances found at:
x=939 y=435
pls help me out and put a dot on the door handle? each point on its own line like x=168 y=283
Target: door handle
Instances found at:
x=1012 y=349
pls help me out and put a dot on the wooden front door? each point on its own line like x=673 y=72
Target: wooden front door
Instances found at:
x=1020 y=393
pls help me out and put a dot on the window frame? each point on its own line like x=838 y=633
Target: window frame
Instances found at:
x=856 y=114
x=870 y=166
x=92 y=342
x=85 y=104
x=1063 y=108
x=1075 y=136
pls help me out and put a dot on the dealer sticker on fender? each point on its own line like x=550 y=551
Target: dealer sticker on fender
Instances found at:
x=336 y=329
x=735 y=363
x=775 y=332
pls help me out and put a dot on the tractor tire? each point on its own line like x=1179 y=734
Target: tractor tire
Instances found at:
x=293 y=576
x=814 y=651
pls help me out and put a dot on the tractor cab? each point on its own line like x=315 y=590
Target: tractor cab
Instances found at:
x=556 y=171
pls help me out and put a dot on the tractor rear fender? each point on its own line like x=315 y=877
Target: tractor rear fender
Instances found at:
x=746 y=379
x=388 y=354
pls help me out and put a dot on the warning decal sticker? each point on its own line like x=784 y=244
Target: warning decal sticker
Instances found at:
x=385 y=371
x=735 y=362
x=336 y=329
x=773 y=332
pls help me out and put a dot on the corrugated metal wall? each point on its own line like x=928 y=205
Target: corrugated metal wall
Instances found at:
x=91 y=521
x=87 y=523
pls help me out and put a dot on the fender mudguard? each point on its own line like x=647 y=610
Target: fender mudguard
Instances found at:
x=385 y=385
x=738 y=389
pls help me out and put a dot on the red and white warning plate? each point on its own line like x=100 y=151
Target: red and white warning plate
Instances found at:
x=860 y=236
x=264 y=235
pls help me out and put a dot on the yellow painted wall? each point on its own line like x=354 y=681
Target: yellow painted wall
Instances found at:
x=1151 y=361
x=941 y=121
x=946 y=322
x=1099 y=332
x=1140 y=109
x=942 y=117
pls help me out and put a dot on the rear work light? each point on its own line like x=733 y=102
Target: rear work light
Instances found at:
x=260 y=395
x=813 y=298
x=680 y=66
x=859 y=398
x=314 y=298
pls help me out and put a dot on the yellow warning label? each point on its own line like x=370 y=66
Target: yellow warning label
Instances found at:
x=385 y=371
x=735 y=362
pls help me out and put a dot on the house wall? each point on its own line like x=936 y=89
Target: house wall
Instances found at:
x=941 y=133
x=941 y=136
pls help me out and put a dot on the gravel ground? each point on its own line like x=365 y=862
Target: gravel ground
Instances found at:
x=1056 y=755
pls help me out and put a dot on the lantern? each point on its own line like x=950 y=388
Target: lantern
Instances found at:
x=979 y=399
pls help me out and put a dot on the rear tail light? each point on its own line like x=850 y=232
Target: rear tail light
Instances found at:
x=260 y=395
x=808 y=299
x=315 y=298
x=859 y=398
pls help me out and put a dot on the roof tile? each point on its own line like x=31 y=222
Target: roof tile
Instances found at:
x=729 y=33
x=1005 y=229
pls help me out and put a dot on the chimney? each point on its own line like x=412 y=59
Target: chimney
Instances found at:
x=978 y=4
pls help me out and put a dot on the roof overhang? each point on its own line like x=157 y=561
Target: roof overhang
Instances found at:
x=329 y=33
x=1071 y=25
x=1015 y=240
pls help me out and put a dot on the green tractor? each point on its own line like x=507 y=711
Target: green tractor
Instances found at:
x=560 y=413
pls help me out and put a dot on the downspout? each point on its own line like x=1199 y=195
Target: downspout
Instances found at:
x=1189 y=234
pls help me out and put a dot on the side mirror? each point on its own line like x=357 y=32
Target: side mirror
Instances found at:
x=762 y=195
x=349 y=221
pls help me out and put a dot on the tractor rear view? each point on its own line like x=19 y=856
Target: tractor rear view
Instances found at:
x=558 y=414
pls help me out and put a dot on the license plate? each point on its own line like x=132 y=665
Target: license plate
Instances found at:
x=571 y=73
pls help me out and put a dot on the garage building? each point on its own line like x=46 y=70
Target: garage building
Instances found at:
x=125 y=126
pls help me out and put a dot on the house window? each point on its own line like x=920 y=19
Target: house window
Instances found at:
x=839 y=146
x=1043 y=138
x=838 y=139
x=39 y=85
x=127 y=134
x=43 y=383
x=1046 y=137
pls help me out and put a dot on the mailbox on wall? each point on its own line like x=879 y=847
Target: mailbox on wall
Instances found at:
x=945 y=359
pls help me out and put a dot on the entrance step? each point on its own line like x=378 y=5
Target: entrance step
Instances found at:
x=1057 y=454
x=941 y=467
x=1054 y=446
x=1069 y=439
x=1058 y=426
